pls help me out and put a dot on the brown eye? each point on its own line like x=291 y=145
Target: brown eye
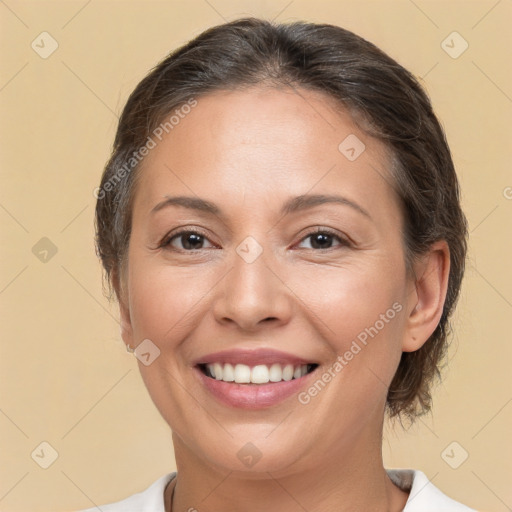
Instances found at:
x=323 y=239
x=189 y=240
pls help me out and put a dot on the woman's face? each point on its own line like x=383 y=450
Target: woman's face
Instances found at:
x=255 y=284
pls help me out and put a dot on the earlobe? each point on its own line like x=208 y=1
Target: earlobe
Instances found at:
x=124 y=315
x=431 y=285
x=126 y=324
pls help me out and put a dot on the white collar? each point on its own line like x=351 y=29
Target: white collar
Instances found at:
x=423 y=495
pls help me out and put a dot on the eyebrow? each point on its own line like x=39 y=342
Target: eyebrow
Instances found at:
x=292 y=205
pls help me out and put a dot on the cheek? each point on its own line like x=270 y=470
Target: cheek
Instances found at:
x=349 y=299
x=163 y=300
x=359 y=314
x=358 y=310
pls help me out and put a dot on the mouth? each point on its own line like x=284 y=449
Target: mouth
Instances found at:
x=258 y=374
x=253 y=379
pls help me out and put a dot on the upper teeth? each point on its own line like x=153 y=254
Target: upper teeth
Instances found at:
x=260 y=374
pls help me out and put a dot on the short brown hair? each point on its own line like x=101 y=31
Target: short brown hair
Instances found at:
x=364 y=81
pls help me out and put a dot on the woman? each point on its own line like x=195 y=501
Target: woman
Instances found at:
x=280 y=223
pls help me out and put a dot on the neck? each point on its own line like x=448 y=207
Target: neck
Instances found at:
x=346 y=479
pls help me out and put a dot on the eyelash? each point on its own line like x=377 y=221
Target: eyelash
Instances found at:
x=166 y=242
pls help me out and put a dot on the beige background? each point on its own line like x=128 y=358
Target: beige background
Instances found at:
x=65 y=377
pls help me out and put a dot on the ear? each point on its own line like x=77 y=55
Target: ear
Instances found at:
x=427 y=296
x=124 y=311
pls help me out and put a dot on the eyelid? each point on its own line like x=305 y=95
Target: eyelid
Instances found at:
x=343 y=239
x=166 y=240
x=165 y=243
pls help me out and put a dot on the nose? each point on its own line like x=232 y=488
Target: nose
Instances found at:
x=252 y=295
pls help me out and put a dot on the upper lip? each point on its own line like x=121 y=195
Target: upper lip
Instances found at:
x=252 y=357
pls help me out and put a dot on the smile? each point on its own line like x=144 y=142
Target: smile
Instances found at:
x=253 y=379
x=259 y=374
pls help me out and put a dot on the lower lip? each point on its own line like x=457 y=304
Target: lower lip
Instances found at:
x=252 y=396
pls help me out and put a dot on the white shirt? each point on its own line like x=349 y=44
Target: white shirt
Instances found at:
x=423 y=495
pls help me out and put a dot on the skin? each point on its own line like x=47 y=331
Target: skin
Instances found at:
x=248 y=152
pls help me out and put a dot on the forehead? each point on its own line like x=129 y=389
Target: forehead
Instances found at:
x=263 y=143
